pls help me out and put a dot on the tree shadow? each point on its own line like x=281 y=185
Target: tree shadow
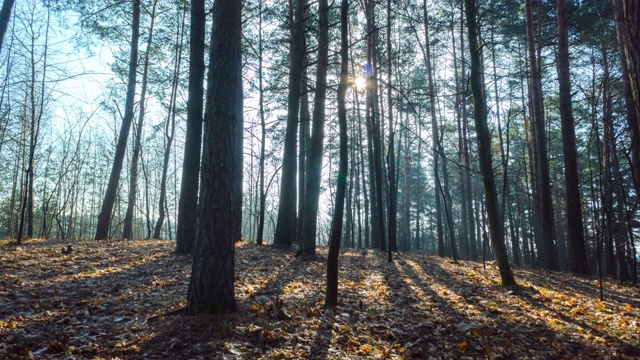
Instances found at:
x=511 y=321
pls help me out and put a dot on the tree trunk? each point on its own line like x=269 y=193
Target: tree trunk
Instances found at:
x=473 y=243
x=406 y=191
x=575 y=228
x=367 y=223
x=418 y=191
x=5 y=15
x=434 y=133
x=606 y=186
x=349 y=231
x=314 y=162
x=127 y=232
x=484 y=150
x=219 y=227
x=465 y=252
x=393 y=186
x=104 y=219
x=169 y=130
x=263 y=132
x=550 y=257
x=287 y=221
x=188 y=203
x=375 y=148
x=619 y=226
x=304 y=143
x=628 y=34
x=627 y=15
x=331 y=298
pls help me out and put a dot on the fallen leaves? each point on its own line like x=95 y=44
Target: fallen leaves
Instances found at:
x=123 y=300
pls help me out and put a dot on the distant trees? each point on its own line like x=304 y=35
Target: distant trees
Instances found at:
x=415 y=179
x=32 y=114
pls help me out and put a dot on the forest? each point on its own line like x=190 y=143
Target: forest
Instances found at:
x=296 y=179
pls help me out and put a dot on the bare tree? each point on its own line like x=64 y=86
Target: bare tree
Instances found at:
x=104 y=219
x=127 y=232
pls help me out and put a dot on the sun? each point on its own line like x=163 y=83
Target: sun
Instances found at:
x=360 y=83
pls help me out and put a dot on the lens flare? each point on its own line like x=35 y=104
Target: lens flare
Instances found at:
x=360 y=83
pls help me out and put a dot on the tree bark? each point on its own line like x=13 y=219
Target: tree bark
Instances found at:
x=220 y=209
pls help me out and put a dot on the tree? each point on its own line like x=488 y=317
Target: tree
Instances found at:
x=187 y=207
x=331 y=297
x=393 y=186
x=127 y=232
x=484 y=149
x=434 y=132
x=104 y=219
x=286 y=227
x=628 y=36
x=378 y=236
x=627 y=15
x=540 y=156
x=314 y=162
x=263 y=130
x=170 y=126
x=5 y=15
x=575 y=229
x=220 y=209
x=33 y=108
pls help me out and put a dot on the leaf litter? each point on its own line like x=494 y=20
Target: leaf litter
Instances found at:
x=125 y=300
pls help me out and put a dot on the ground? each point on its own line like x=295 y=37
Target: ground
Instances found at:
x=123 y=300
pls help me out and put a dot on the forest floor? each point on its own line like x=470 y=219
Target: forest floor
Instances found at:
x=122 y=300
